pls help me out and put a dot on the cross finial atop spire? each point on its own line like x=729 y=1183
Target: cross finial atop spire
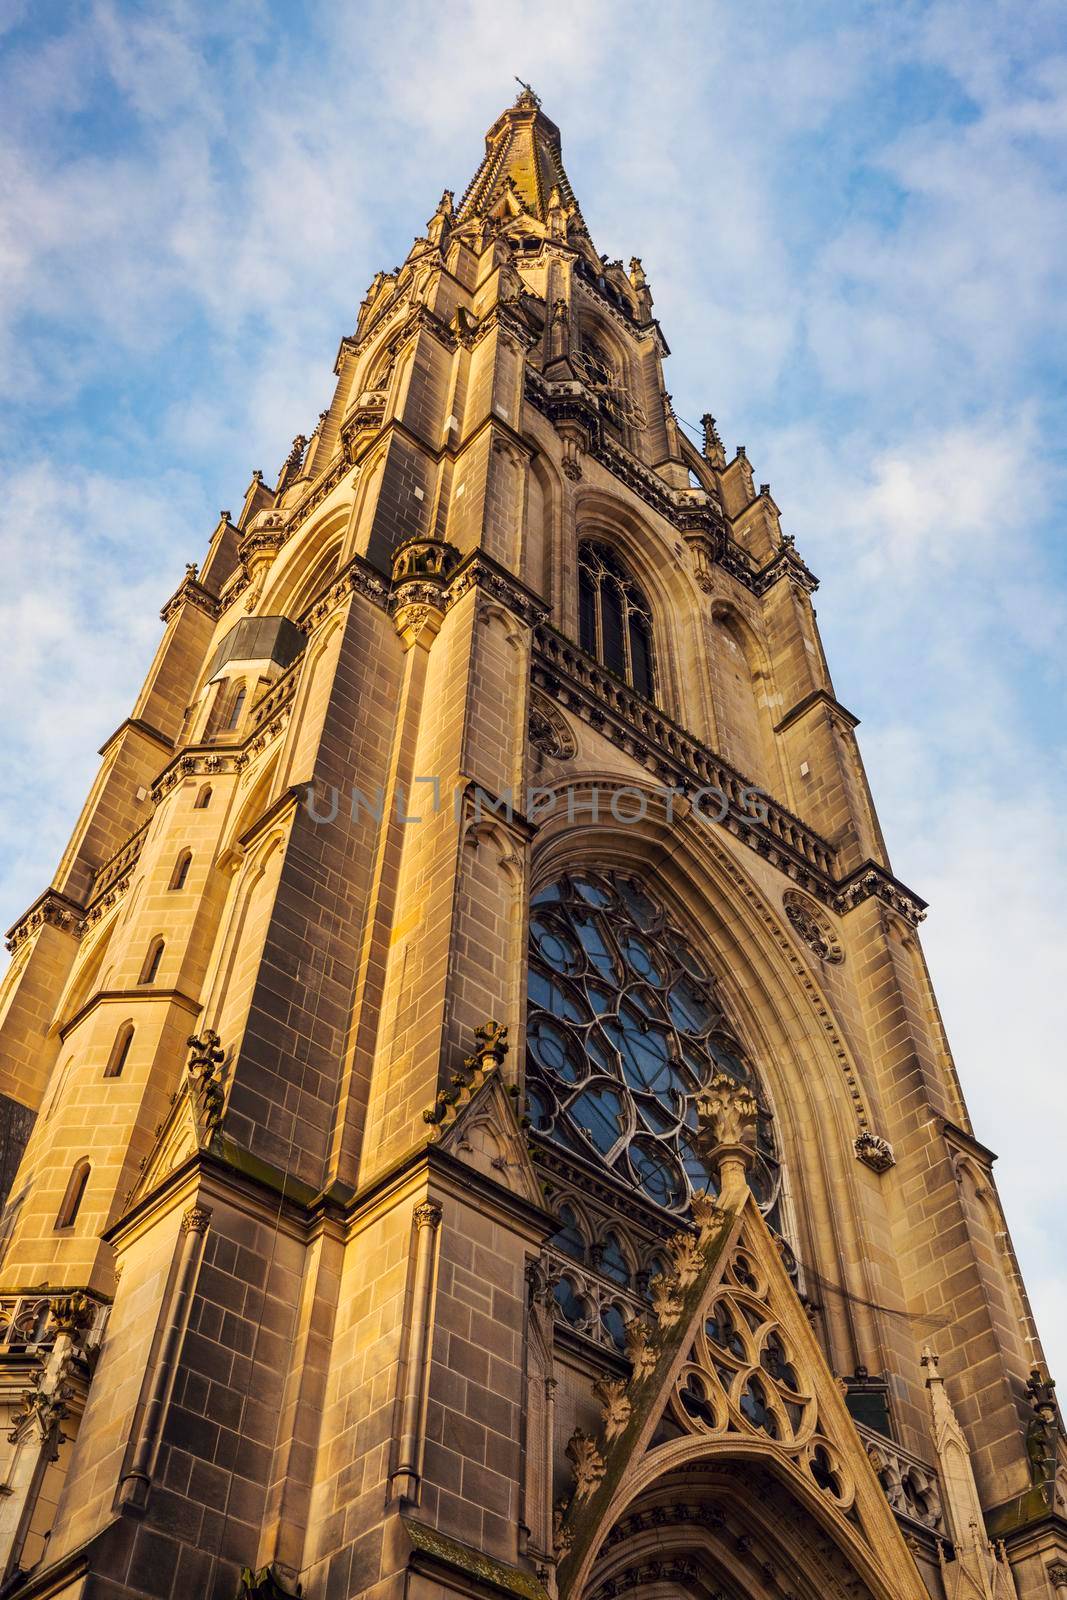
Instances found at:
x=526 y=95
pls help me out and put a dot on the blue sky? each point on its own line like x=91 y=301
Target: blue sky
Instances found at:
x=853 y=221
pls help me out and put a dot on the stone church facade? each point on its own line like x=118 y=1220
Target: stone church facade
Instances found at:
x=477 y=1121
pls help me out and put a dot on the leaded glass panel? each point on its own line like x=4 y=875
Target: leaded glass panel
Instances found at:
x=624 y=1028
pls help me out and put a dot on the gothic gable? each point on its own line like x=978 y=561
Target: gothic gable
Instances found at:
x=729 y=1370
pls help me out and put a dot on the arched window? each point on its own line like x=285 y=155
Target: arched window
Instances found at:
x=569 y=1237
x=614 y=621
x=119 y=1051
x=237 y=705
x=181 y=870
x=68 y=1211
x=152 y=960
x=624 y=1028
x=203 y=798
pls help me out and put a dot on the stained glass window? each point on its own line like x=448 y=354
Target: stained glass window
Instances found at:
x=624 y=1028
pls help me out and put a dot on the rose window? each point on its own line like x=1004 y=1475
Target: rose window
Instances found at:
x=624 y=1029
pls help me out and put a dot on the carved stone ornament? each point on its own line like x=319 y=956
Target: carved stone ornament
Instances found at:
x=206 y=1059
x=687 y=1258
x=73 y=1314
x=562 y=1532
x=1057 y=1574
x=491 y=1048
x=587 y=1464
x=726 y=1109
x=874 y=1151
x=423 y=558
x=666 y=1299
x=549 y=732
x=51 y=909
x=805 y=917
x=640 y=1348
x=615 y=1405
x=196 y=1219
x=1042 y=1433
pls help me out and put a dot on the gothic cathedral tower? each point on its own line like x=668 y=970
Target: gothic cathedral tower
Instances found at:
x=488 y=1129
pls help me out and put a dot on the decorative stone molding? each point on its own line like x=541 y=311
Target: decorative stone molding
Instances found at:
x=872 y=881
x=615 y=1405
x=910 y=1484
x=806 y=918
x=726 y=1109
x=52 y=910
x=548 y=732
x=1057 y=1574
x=874 y=1151
x=356 y=578
x=491 y=1047
x=482 y=573
x=191 y=592
x=196 y=1220
x=1043 y=1429
x=587 y=1464
x=205 y=1070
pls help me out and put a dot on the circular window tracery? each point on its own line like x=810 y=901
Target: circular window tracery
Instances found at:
x=624 y=1029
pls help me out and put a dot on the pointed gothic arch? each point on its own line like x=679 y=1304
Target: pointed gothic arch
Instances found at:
x=665 y=577
x=782 y=1015
x=614 y=617
x=742 y=685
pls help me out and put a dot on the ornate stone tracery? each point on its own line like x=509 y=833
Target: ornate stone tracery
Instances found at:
x=813 y=926
x=625 y=1034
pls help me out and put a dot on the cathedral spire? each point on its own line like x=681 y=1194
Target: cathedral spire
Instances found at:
x=522 y=169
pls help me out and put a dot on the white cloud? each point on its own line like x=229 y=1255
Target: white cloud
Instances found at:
x=88 y=561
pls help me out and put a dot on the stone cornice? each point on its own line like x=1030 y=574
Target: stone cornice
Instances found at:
x=51 y=909
x=479 y=571
x=144 y=992
x=196 y=761
x=191 y=592
x=817 y=697
x=786 y=563
x=579 y=683
x=966 y=1142
x=356 y=577
x=872 y=881
x=570 y=400
x=136 y=725
x=669 y=752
